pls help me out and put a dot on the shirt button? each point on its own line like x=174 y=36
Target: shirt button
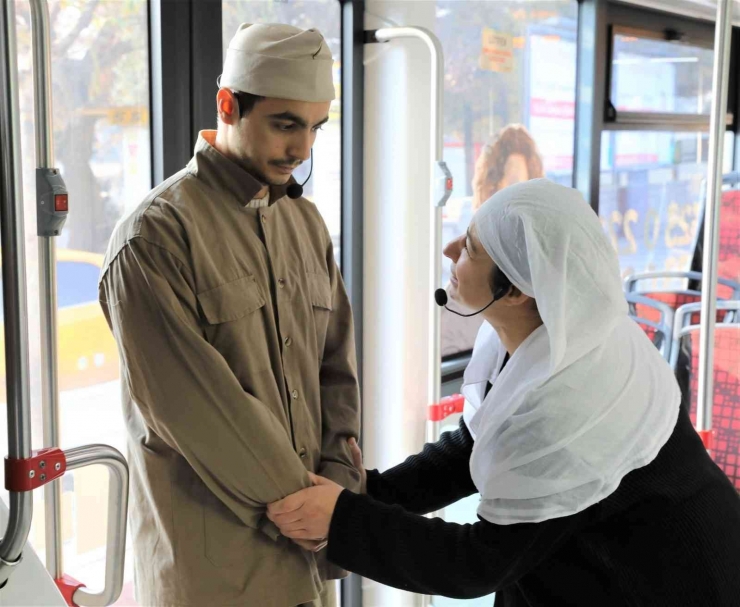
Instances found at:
x=281 y=282
x=288 y=342
x=302 y=454
x=264 y=218
x=294 y=394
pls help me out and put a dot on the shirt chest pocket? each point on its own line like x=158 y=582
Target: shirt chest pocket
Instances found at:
x=236 y=324
x=319 y=292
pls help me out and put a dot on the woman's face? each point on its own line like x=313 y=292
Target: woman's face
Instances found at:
x=470 y=272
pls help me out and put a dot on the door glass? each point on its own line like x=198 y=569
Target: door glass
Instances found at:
x=100 y=84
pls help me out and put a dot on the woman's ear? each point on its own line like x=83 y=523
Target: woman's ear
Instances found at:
x=515 y=297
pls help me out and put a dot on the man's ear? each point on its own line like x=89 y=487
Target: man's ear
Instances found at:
x=228 y=106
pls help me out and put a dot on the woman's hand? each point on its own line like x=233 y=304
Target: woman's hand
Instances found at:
x=357 y=461
x=306 y=515
x=311 y=545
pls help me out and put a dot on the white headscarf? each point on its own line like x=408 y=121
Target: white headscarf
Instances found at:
x=587 y=397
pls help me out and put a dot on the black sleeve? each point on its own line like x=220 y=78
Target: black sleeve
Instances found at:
x=430 y=556
x=435 y=478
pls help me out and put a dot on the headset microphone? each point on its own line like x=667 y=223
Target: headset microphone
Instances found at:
x=440 y=297
x=295 y=190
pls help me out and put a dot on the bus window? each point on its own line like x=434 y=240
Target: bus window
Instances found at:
x=650 y=75
x=509 y=110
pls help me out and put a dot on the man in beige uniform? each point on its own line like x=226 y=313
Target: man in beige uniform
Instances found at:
x=236 y=340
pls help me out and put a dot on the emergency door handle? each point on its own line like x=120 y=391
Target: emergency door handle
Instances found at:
x=115 y=551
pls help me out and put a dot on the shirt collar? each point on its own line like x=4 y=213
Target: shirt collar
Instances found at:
x=222 y=173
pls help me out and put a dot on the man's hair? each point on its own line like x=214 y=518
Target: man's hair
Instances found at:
x=246 y=102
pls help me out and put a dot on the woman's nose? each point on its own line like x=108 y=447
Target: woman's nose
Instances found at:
x=452 y=250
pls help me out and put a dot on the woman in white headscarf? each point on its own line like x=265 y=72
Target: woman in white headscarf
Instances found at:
x=595 y=488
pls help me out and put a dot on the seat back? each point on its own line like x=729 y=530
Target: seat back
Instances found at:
x=726 y=401
x=728 y=265
x=655 y=318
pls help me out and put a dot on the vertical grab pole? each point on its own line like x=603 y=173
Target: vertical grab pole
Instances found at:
x=41 y=43
x=720 y=79
x=14 y=296
x=440 y=193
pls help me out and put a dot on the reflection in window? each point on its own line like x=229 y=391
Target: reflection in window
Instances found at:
x=509 y=109
x=324 y=188
x=651 y=196
x=659 y=76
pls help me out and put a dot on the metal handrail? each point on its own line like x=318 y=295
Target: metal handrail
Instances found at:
x=434 y=386
x=14 y=292
x=17 y=334
x=455 y=365
x=665 y=326
x=661 y=330
x=684 y=312
x=633 y=279
x=720 y=86
x=117 y=510
x=41 y=43
x=437 y=148
x=661 y=121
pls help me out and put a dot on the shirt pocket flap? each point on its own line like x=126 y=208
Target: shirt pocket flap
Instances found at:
x=231 y=301
x=319 y=287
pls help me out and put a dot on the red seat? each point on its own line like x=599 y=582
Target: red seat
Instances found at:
x=726 y=404
x=655 y=318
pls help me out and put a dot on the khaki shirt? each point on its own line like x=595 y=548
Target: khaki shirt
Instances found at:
x=238 y=376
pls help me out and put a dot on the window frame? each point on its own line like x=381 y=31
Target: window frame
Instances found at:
x=615 y=120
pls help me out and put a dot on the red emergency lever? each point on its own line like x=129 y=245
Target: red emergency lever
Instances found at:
x=450 y=405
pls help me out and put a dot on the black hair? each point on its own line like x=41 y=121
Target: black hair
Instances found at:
x=501 y=286
x=246 y=102
x=499 y=283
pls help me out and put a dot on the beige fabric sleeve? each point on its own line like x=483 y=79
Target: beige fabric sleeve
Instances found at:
x=186 y=390
x=340 y=396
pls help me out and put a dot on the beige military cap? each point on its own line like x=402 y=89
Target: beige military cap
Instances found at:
x=279 y=61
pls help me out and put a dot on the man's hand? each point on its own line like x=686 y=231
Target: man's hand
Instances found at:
x=306 y=515
x=357 y=461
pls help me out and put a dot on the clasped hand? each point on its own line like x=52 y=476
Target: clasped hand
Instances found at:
x=305 y=516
